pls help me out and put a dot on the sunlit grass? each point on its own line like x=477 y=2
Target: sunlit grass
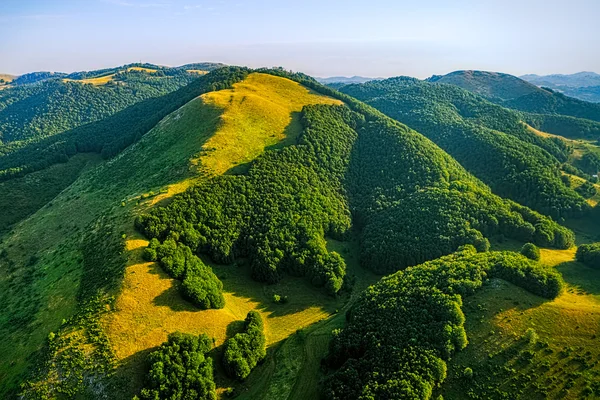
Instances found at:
x=99 y=81
x=261 y=111
x=197 y=71
x=499 y=316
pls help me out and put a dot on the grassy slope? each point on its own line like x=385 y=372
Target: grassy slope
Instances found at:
x=580 y=147
x=46 y=290
x=259 y=112
x=103 y=80
x=499 y=315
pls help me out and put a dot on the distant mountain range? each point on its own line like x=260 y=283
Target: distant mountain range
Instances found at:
x=346 y=79
x=582 y=85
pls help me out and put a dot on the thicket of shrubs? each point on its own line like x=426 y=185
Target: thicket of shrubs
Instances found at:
x=531 y=251
x=245 y=350
x=589 y=254
x=199 y=284
x=181 y=370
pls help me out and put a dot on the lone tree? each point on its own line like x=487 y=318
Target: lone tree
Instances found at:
x=531 y=251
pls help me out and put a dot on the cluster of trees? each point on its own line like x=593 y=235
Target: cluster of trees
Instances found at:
x=199 y=284
x=181 y=370
x=245 y=350
x=488 y=140
x=110 y=135
x=589 y=254
x=531 y=251
x=401 y=331
x=589 y=163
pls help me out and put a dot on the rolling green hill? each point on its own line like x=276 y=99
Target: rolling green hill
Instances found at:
x=54 y=105
x=559 y=114
x=490 y=141
x=493 y=85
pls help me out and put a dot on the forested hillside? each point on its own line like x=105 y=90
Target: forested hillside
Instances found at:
x=512 y=92
x=33 y=111
x=401 y=331
x=488 y=140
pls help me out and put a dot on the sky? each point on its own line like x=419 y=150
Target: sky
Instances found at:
x=375 y=38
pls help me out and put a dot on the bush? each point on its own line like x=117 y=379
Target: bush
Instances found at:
x=589 y=254
x=245 y=350
x=531 y=251
x=280 y=299
x=530 y=336
x=181 y=370
x=468 y=373
x=199 y=284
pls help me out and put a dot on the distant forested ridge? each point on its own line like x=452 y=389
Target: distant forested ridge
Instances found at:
x=488 y=140
x=403 y=330
x=112 y=134
x=29 y=112
x=563 y=114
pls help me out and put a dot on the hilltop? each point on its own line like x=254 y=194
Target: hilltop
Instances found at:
x=492 y=85
x=543 y=108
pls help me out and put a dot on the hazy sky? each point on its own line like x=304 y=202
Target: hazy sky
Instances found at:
x=319 y=37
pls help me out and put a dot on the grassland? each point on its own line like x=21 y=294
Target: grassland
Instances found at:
x=7 y=77
x=564 y=362
x=197 y=71
x=41 y=272
x=142 y=69
x=97 y=81
x=261 y=111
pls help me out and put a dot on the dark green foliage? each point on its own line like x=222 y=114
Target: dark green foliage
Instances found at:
x=531 y=251
x=103 y=260
x=51 y=107
x=199 y=284
x=589 y=163
x=587 y=190
x=180 y=370
x=112 y=134
x=245 y=350
x=563 y=125
x=401 y=331
x=488 y=140
x=513 y=92
x=589 y=254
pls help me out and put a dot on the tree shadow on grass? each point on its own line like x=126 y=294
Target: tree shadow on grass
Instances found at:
x=129 y=376
x=299 y=292
x=582 y=279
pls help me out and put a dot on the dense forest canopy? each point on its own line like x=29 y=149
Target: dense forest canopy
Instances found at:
x=488 y=140
x=403 y=330
x=112 y=134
